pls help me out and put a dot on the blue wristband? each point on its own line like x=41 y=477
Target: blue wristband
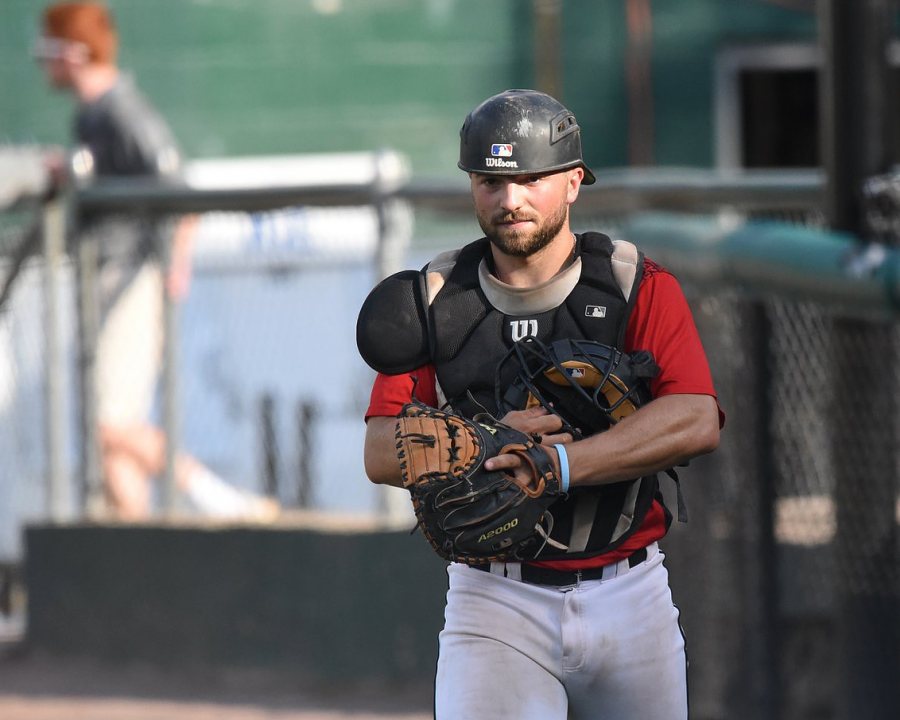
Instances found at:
x=563 y=466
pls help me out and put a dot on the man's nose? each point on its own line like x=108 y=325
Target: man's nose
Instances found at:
x=511 y=196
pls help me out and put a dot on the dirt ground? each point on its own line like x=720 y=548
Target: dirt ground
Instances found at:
x=40 y=688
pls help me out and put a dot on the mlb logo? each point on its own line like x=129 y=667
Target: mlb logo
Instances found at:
x=501 y=150
x=575 y=373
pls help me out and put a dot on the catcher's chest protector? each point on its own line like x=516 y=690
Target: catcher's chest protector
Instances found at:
x=470 y=336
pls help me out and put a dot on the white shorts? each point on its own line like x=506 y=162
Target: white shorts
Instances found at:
x=609 y=649
x=129 y=351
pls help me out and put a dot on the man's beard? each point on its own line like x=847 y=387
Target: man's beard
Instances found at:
x=523 y=243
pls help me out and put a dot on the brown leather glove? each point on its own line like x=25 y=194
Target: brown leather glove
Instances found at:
x=467 y=513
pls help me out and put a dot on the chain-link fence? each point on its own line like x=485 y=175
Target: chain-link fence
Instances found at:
x=258 y=377
x=787 y=574
x=796 y=513
x=30 y=335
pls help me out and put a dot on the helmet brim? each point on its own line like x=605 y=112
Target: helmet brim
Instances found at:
x=588 y=179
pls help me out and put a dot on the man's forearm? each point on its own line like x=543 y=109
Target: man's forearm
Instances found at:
x=380 y=453
x=664 y=433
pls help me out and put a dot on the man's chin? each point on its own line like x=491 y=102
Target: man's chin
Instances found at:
x=515 y=244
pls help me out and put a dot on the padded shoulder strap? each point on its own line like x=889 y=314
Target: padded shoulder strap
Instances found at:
x=625 y=261
x=455 y=301
x=437 y=271
x=628 y=270
x=458 y=268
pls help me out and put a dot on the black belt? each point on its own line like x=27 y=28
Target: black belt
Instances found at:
x=536 y=575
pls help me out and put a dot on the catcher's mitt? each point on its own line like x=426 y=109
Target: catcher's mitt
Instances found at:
x=467 y=513
x=590 y=386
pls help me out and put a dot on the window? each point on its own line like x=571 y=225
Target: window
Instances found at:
x=767 y=106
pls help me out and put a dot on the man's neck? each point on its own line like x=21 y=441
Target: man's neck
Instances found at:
x=538 y=268
x=92 y=81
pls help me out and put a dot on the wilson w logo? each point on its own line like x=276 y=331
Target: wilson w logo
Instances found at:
x=522 y=329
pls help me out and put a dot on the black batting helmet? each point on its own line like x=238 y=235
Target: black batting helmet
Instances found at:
x=521 y=132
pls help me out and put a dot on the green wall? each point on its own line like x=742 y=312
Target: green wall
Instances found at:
x=281 y=76
x=687 y=36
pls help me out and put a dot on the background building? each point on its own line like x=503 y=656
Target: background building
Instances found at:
x=276 y=76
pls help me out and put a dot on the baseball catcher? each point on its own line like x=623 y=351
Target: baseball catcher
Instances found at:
x=531 y=386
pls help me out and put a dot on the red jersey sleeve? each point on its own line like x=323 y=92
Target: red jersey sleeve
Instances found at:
x=391 y=392
x=662 y=323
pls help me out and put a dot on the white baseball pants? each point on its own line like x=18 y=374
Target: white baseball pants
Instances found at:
x=609 y=649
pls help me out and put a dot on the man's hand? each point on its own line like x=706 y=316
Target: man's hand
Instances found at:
x=538 y=420
x=515 y=466
x=56 y=164
x=178 y=279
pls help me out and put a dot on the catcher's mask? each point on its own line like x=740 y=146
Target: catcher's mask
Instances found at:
x=590 y=386
x=521 y=132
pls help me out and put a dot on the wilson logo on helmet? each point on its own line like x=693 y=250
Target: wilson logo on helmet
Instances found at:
x=498 y=162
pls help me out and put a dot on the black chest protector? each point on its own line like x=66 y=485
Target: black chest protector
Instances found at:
x=469 y=337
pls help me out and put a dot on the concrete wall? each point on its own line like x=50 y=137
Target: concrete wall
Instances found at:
x=318 y=605
x=344 y=610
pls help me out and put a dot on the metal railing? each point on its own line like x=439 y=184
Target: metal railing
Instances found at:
x=714 y=249
x=617 y=196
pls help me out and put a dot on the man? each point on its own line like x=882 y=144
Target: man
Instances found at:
x=125 y=136
x=589 y=633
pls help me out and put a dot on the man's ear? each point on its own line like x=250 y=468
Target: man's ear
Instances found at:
x=576 y=175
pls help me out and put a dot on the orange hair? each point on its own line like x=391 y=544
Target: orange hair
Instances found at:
x=89 y=23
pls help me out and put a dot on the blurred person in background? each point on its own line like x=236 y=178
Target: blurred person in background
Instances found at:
x=126 y=136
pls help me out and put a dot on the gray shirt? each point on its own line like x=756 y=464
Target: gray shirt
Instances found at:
x=126 y=135
x=127 y=138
